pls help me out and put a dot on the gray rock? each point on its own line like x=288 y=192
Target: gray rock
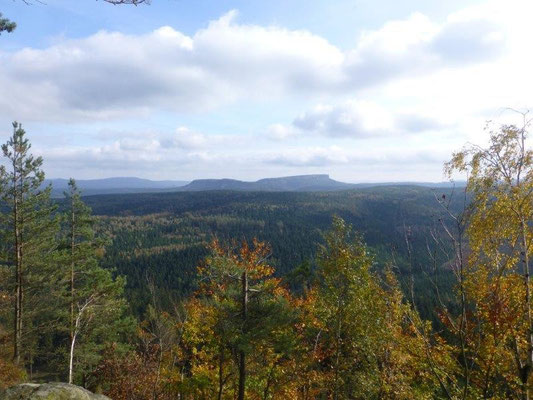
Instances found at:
x=49 y=391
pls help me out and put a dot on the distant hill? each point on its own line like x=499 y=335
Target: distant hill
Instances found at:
x=300 y=183
x=114 y=185
x=433 y=185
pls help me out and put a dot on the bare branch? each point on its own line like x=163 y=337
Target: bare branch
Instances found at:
x=134 y=2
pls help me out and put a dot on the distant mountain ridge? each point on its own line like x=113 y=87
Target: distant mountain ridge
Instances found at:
x=113 y=185
x=298 y=183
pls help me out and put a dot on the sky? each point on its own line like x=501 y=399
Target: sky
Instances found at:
x=362 y=90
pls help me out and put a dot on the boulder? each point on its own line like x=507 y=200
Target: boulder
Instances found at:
x=49 y=391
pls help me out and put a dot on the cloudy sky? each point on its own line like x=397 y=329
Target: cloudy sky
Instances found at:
x=365 y=90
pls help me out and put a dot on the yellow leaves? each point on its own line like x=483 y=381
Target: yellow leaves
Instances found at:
x=238 y=258
x=491 y=332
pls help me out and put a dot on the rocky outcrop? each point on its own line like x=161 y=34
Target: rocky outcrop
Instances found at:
x=49 y=391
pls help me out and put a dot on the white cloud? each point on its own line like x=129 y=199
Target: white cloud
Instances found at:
x=309 y=157
x=422 y=87
x=356 y=119
x=111 y=75
x=281 y=132
x=185 y=139
x=332 y=156
x=355 y=162
x=418 y=45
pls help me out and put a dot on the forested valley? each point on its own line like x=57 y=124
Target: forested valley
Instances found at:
x=149 y=230
x=396 y=292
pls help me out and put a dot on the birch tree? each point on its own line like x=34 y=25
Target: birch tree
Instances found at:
x=500 y=235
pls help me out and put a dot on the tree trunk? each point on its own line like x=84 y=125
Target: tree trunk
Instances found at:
x=220 y=373
x=338 y=343
x=525 y=374
x=73 y=341
x=19 y=294
x=72 y=244
x=71 y=357
x=242 y=355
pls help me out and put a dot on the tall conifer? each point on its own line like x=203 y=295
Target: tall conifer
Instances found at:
x=28 y=231
x=94 y=298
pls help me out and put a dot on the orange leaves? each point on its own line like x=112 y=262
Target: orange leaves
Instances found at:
x=240 y=309
x=252 y=259
x=129 y=377
x=10 y=374
x=501 y=304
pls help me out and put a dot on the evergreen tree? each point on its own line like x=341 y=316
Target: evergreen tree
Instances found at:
x=94 y=298
x=80 y=244
x=6 y=25
x=29 y=232
x=240 y=328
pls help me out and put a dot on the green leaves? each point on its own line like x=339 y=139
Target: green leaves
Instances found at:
x=246 y=321
x=64 y=302
x=365 y=339
x=6 y=25
x=28 y=228
x=94 y=299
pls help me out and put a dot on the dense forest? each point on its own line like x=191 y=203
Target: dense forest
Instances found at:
x=156 y=235
x=378 y=293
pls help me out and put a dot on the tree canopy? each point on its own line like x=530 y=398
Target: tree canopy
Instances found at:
x=6 y=25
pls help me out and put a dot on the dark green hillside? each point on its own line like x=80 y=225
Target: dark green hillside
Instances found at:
x=162 y=236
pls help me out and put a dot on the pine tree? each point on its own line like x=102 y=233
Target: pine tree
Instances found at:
x=29 y=231
x=80 y=243
x=240 y=327
x=6 y=25
x=94 y=298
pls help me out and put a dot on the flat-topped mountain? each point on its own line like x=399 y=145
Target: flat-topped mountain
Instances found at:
x=300 y=183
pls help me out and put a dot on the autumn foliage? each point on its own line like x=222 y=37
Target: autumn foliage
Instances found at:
x=349 y=336
x=350 y=332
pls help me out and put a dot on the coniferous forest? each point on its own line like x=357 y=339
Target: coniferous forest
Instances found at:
x=395 y=292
